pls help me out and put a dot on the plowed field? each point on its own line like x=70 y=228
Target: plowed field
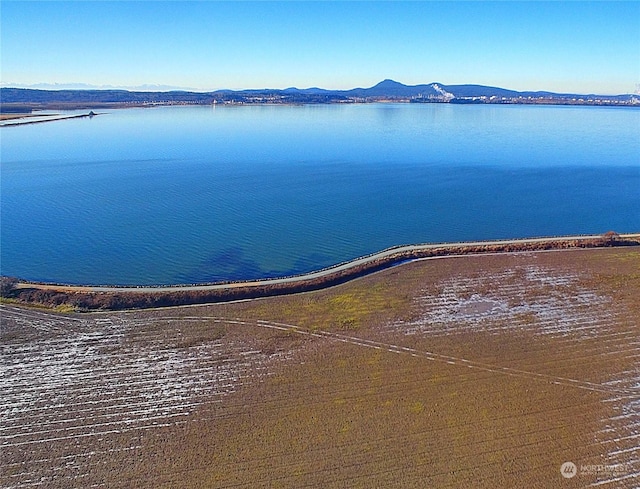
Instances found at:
x=478 y=371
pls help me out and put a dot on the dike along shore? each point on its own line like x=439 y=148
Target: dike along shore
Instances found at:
x=87 y=298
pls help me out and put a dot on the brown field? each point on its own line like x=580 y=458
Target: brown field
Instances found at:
x=482 y=371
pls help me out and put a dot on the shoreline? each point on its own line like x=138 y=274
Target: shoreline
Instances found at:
x=26 y=119
x=91 y=297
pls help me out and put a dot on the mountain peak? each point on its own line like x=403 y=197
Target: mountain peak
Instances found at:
x=392 y=89
x=388 y=83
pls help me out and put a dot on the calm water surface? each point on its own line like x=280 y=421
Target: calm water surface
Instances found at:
x=194 y=194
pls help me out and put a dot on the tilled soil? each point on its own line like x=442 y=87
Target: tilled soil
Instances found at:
x=481 y=371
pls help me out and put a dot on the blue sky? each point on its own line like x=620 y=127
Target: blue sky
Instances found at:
x=570 y=46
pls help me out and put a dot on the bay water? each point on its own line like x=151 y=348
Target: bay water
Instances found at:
x=198 y=194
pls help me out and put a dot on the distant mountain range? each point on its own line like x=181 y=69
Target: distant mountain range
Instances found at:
x=385 y=91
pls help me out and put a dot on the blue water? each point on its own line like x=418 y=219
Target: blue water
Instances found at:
x=195 y=194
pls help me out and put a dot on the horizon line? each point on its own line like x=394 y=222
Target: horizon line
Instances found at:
x=159 y=88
